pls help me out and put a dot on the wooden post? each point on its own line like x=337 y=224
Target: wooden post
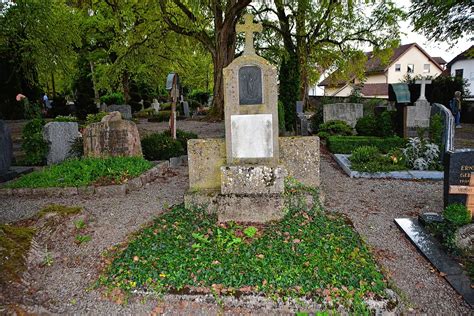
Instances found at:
x=174 y=99
x=467 y=190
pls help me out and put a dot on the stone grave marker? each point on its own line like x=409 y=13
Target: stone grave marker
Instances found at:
x=418 y=116
x=347 y=112
x=301 y=120
x=124 y=109
x=112 y=137
x=464 y=238
x=6 y=148
x=458 y=180
x=299 y=107
x=156 y=105
x=447 y=137
x=59 y=136
x=186 y=109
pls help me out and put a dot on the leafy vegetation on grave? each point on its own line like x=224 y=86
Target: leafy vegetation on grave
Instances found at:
x=83 y=172
x=15 y=242
x=436 y=130
x=95 y=118
x=183 y=137
x=33 y=144
x=335 y=127
x=308 y=253
x=159 y=146
x=382 y=125
x=421 y=155
x=456 y=215
x=346 y=144
x=65 y=118
x=62 y=210
x=370 y=159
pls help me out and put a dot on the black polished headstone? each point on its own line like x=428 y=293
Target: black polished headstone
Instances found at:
x=457 y=171
x=428 y=218
x=6 y=148
x=250 y=85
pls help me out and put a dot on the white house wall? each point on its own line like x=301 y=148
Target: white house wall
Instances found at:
x=418 y=59
x=467 y=66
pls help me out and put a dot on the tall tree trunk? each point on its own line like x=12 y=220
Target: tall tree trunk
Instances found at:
x=96 y=92
x=126 y=86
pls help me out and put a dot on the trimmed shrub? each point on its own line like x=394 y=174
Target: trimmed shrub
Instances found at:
x=347 y=144
x=162 y=116
x=364 y=154
x=385 y=124
x=200 y=96
x=95 y=118
x=334 y=127
x=159 y=146
x=113 y=98
x=33 y=144
x=182 y=137
x=457 y=214
x=366 y=126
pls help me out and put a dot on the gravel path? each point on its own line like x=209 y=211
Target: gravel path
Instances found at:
x=63 y=287
x=372 y=205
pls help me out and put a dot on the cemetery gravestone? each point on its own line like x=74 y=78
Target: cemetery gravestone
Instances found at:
x=59 y=136
x=124 y=109
x=418 y=116
x=447 y=136
x=6 y=148
x=301 y=120
x=347 y=112
x=458 y=170
x=112 y=137
x=156 y=105
x=186 y=109
x=464 y=238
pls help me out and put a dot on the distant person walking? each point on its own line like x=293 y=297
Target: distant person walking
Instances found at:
x=46 y=103
x=455 y=107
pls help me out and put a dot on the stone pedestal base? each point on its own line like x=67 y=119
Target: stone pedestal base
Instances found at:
x=252 y=179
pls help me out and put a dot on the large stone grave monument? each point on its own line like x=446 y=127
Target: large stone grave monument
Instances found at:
x=112 y=137
x=347 y=112
x=6 y=148
x=418 y=116
x=59 y=136
x=242 y=178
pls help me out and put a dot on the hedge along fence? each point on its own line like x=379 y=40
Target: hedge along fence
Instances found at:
x=346 y=144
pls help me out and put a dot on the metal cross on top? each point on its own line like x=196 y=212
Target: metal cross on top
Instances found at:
x=423 y=83
x=249 y=28
x=467 y=190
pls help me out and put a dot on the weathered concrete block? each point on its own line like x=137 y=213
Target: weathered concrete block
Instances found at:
x=347 y=112
x=175 y=162
x=301 y=158
x=205 y=157
x=206 y=199
x=59 y=136
x=299 y=155
x=111 y=190
x=260 y=208
x=6 y=148
x=251 y=179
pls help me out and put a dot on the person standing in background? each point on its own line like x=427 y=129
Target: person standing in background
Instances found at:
x=455 y=107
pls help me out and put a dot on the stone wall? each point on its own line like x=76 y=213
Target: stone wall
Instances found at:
x=347 y=112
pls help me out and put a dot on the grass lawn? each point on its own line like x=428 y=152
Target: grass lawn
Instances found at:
x=83 y=172
x=308 y=253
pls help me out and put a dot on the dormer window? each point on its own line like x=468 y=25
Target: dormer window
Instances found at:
x=410 y=68
x=398 y=67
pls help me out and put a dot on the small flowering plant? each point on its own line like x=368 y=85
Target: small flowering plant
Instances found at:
x=420 y=154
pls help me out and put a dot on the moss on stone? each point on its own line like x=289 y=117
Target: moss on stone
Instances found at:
x=59 y=209
x=15 y=242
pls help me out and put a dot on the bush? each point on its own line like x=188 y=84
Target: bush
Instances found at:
x=366 y=126
x=162 y=116
x=182 y=137
x=457 y=214
x=200 y=96
x=346 y=144
x=113 y=98
x=317 y=120
x=83 y=172
x=145 y=113
x=61 y=118
x=436 y=129
x=364 y=154
x=95 y=118
x=421 y=155
x=334 y=127
x=159 y=146
x=165 y=107
x=33 y=144
x=193 y=104
x=385 y=124
x=281 y=118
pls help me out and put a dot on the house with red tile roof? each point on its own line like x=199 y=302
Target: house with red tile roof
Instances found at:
x=409 y=59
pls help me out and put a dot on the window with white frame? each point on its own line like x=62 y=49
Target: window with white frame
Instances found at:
x=426 y=68
x=398 y=67
x=410 y=68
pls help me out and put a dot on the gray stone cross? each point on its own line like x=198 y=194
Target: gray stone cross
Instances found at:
x=423 y=83
x=249 y=28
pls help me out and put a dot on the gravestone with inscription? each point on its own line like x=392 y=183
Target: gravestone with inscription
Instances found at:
x=60 y=137
x=459 y=178
x=112 y=137
x=242 y=179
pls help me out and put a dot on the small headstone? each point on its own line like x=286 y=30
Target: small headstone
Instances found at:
x=447 y=136
x=299 y=107
x=428 y=218
x=458 y=177
x=124 y=109
x=6 y=148
x=347 y=112
x=464 y=238
x=156 y=105
x=59 y=136
x=103 y=107
x=186 y=109
x=417 y=116
x=112 y=137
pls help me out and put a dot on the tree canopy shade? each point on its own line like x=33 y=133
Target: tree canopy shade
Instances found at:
x=443 y=20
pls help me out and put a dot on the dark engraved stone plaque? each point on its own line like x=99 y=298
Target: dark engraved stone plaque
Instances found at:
x=250 y=85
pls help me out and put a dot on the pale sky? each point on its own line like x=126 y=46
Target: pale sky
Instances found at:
x=435 y=49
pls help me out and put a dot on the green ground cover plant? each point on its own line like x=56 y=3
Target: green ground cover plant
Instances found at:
x=160 y=146
x=308 y=253
x=370 y=159
x=335 y=127
x=83 y=172
x=33 y=144
x=346 y=144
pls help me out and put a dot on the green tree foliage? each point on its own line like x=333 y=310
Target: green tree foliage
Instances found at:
x=443 y=20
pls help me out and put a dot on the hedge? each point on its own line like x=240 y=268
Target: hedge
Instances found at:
x=346 y=144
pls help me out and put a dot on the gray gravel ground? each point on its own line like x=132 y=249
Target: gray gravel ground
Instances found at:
x=372 y=205
x=64 y=287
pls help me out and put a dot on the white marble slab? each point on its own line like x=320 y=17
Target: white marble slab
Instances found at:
x=252 y=136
